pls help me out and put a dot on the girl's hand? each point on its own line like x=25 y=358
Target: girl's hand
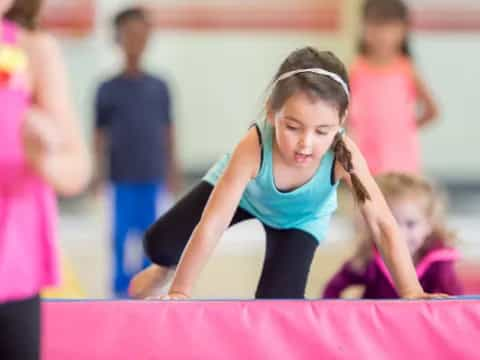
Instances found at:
x=175 y=296
x=40 y=139
x=425 y=296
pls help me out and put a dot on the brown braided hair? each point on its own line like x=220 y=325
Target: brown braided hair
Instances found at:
x=322 y=87
x=344 y=157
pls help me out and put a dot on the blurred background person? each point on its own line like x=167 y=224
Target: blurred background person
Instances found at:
x=134 y=131
x=25 y=14
x=420 y=213
x=42 y=152
x=386 y=90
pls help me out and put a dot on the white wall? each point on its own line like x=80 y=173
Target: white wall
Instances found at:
x=449 y=64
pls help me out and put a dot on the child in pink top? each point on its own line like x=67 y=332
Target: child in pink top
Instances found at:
x=387 y=92
x=41 y=152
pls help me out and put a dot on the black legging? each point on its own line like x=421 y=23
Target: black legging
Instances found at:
x=288 y=256
x=20 y=329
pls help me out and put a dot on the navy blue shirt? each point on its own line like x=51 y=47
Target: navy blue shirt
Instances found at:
x=134 y=112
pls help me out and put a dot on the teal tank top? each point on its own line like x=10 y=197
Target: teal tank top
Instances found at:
x=308 y=207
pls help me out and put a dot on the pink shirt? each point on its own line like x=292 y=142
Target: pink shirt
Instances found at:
x=28 y=209
x=382 y=115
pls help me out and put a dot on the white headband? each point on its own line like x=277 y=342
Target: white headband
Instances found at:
x=319 y=71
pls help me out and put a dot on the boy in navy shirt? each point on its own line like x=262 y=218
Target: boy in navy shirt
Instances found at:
x=134 y=141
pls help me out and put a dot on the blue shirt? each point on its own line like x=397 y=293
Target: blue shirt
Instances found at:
x=308 y=207
x=135 y=114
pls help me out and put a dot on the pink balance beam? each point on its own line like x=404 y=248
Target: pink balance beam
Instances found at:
x=446 y=329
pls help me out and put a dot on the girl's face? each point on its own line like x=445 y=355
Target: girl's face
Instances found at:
x=5 y=5
x=415 y=225
x=384 y=39
x=304 y=129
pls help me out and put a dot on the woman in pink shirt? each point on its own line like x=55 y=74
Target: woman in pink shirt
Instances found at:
x=389 y=100
x=41 y=153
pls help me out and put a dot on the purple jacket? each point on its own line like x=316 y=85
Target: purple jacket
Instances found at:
x=435 y=271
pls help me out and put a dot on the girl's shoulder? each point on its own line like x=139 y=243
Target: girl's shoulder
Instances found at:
x=43 y=55
x=438 y=255
x=406 y=65
x=359 y=64
x=38 y=43
x=248 y=152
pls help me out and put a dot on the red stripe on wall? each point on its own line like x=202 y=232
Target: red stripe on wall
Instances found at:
x=248 y=17
x=447 y=19
x=70 y=16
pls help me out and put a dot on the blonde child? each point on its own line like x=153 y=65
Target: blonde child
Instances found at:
x=419 y=212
